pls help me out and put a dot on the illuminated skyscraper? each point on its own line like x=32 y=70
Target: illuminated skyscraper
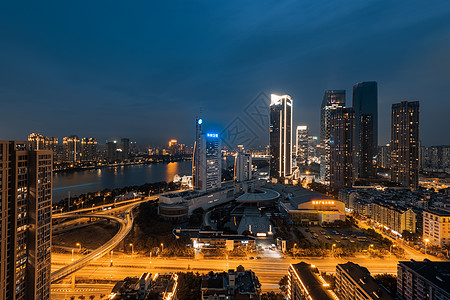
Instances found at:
x=196 y=154
x=71 y=149
x=405 y=144
x=341 y=147
x=25 y=221
x=210 y=162
x=365 y=104
x=332 y=99
x=280 y=137
x=40 y=142
x=242 y=167
x=301 y=145
x=88 y=149
x=111 y=151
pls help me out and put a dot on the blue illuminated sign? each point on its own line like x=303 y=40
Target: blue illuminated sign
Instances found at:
x=200 y=121
x=212 y=135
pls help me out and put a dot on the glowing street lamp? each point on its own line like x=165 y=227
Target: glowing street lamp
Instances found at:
x=79 y=247
x=332 y=247
x=162 y=247
x=72 y=254
x=111 y=258
x=132 y=249
x=390 y=249
x=426 y=244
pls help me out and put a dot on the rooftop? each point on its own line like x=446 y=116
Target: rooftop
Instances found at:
x=311 y=282
x=437 y=272
x=259 y=195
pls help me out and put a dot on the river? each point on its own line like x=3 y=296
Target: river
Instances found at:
x=86 y=181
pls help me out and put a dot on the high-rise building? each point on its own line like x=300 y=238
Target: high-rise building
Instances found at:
x=210 y=162
x=280 y=137
x=173 y=147
x=242 y=167
x=197 y=154
x=435 y=158
x=436 y=227
x=301 y=145
x=125 y=147
x=342 y=124
x=88 y=149
x=71 y=148
x=332 y=99
x=405 y=144
x=384 y=157
x=313 y=149
x=25 y=221
x=111 y=151
x=365 y=105
x=41 y=142
x=423 y=280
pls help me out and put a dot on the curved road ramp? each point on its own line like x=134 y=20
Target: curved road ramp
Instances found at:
x=125 y=227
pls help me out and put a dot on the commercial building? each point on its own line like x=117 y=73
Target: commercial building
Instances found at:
x=332 y=99
x=25 y=221
x=305 y=282
x=232 y=285
x=354 y=282
x=306 y=207
x=301 y=145
x=202 y=239
x=384 y=157
x=342 y=122
x=280 y=138
x=88 y=149
x=436 y=227
x=197 y=154
x=405 y=144
x=423 y=280
x=71 y=149
x=242 y=167
x=365 y=105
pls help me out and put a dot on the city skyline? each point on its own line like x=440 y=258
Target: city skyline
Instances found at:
x=105 y=78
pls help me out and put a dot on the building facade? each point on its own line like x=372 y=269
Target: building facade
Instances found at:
x=396 y=218
x=197 y=154
x=71 y=149
x=436 y=227
x=332 y=99
x=365 y=105
x=301 y=145
x=405 y=144
x=88 y=149
x=25 y=228
x=423 y=280
x=342 y=126
x=304 y=282
x=280 y=138
x=242 y=167
x=384 y=157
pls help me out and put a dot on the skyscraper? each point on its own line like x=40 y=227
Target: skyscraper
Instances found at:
x=125 y=147
x=196 y=154
x=365 y=104
x=25 y=221
x=210 y=162
x=71 y=148
x=332 y=99
x=40 y=142
x=88 y=149
x=405 y=143
x=111 y=151
x=280 y=137
x=242 y=167
x=301 y=145
x=341 y=147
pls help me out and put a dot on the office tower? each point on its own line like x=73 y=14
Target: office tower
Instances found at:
x=405 y=144
x=365 y=105
x=209 y=162
x=332 y=99
x=125 y=147
x=196 y=154
x=423 y=280
x=313 y=149
x=242 y=167
x=384 y=157
x=280 y=138
x=355 y=282
x=301 y=145
x=342 y=124
x=25 y=221
x=88 y=149
x=71 y=148
x=111 y=151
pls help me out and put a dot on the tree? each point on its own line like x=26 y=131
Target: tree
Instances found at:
x=272 y=296
x=388 y=281
x=91 y=297
x=283 y=283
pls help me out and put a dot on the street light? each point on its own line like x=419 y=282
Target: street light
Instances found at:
x=79 y=247
x=131 y=250
x=390 y=249
x=111 y=258
x=332 y=247
x=371 y=246
x=72 y=254
x=162 y=247
x=426 y=244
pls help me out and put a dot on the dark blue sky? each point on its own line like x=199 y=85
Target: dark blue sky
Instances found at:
x=143 y=69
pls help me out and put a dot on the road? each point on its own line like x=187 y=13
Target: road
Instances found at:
x=268 y=270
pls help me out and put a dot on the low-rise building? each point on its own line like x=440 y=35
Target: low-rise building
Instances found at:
x=235 y=284
x=436 y=226
x=354 y=282
x=160 y=287
x=423 y=280
x=394 y=217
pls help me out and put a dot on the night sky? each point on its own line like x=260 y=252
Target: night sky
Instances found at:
x=143 y=69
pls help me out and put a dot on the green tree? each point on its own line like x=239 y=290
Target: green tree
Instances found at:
x=388 y=281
